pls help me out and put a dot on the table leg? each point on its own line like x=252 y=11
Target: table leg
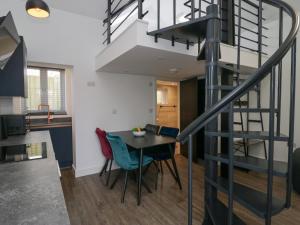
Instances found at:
x=140 y=177
x=175 y=166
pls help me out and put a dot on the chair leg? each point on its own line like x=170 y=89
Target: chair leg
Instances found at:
x=125 y=186
x=170 y=169
x=161 y=168
x=116 y=179
x=155 y=164
x=146 y=169
x=109 y=172
x=176 y=172
x=156 y=180
x=104 y=167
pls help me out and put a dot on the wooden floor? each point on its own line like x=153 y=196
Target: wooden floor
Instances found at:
x=89 y=202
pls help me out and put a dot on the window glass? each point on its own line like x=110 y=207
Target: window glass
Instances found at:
x=34 y=89
x=46 y=90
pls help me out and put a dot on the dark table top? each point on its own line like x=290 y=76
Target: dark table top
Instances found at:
x=149 y=140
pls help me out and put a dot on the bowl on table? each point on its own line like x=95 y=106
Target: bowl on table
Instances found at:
x=138 y=132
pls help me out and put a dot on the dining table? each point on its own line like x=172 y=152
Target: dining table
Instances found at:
x=149 y=140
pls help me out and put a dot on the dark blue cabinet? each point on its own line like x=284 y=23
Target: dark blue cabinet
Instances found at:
x=13 y=80
x=62 y=143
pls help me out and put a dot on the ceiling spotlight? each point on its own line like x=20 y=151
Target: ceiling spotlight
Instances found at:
x=37 y=8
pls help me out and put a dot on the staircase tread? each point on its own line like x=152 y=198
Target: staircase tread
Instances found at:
x=255 y=201
x=218 y=213
x=260 y=135
x=190 y=30
x=254 y=164
x=243 y=70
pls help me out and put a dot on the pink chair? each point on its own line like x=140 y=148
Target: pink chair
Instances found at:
x=106 y=151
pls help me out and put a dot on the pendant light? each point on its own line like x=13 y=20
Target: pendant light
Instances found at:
x=37 y=8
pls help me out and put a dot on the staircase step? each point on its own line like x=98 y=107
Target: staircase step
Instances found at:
x=255 y=201
x=253 y=110
x=243 y=70
x=248 y=142
x=252 y=163
x=254 y=121
x=227 y=88
x=190 y=31
x=260 y=135
x=218 y=213
x=242 y=103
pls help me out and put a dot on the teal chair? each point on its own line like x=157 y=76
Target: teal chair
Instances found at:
x=127 y=161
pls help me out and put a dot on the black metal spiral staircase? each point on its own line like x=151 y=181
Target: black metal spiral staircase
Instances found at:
x=209 y=27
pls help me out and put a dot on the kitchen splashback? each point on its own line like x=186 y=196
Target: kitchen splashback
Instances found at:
x=12 y=105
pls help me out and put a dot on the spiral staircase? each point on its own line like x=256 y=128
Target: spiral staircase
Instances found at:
x=223 y=102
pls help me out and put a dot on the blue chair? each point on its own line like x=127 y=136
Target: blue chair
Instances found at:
x=164 y=153
x=127 y=161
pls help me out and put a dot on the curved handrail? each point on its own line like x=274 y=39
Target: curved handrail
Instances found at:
x=261 y=73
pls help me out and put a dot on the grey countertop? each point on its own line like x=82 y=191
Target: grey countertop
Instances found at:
x=30 y=191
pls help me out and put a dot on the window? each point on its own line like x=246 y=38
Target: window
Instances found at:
x=162 y=96
x=46 y=88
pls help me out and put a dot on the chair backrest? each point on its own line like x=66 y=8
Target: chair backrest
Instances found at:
x=105 y=146
x=120 y=151
x=152 y=128
x=169 y=131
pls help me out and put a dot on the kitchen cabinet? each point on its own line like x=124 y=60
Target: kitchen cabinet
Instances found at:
x=13 y=80
x=62 y=144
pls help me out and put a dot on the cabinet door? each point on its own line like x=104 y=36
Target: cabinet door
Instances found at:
x=13 y=76
x=62 y=144
x=188 y=110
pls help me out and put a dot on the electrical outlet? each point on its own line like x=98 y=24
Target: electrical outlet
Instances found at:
x=91 y=84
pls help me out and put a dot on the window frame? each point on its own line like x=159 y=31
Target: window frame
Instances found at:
x=44 y=90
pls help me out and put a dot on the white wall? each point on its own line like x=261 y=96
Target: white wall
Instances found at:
x=110 y=101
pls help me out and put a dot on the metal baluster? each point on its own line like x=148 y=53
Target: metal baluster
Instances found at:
x=140 y=9
x=193 y=9
x=239 y=66
x=230 y=166
x=292 y=122
x=158 y=14
x=260 y=27
x=174 y=12
x=200 y=7
x=271 y=147
x=190 y=182
x=108 y=21
x=279 y=73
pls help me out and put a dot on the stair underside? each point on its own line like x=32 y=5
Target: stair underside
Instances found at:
x=190 y=31
x=253 y=200
x=218 y=213
x=260 y=135
x=252 y=163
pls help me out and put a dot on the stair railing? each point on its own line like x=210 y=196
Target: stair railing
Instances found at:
x=207 y=119
x=115 y=10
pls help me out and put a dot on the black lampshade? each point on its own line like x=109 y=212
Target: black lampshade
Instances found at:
x=37 y=8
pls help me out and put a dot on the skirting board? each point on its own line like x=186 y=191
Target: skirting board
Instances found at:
x=89 y=170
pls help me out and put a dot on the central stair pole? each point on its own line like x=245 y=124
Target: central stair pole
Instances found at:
x=212 y=54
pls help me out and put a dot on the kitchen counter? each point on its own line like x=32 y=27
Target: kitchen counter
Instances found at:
x=54 y=123
x=30 y=191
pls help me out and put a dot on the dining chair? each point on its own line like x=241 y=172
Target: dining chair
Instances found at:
x=107 y=153
x=164 y=153
x=152 y=128
x=127 y=161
